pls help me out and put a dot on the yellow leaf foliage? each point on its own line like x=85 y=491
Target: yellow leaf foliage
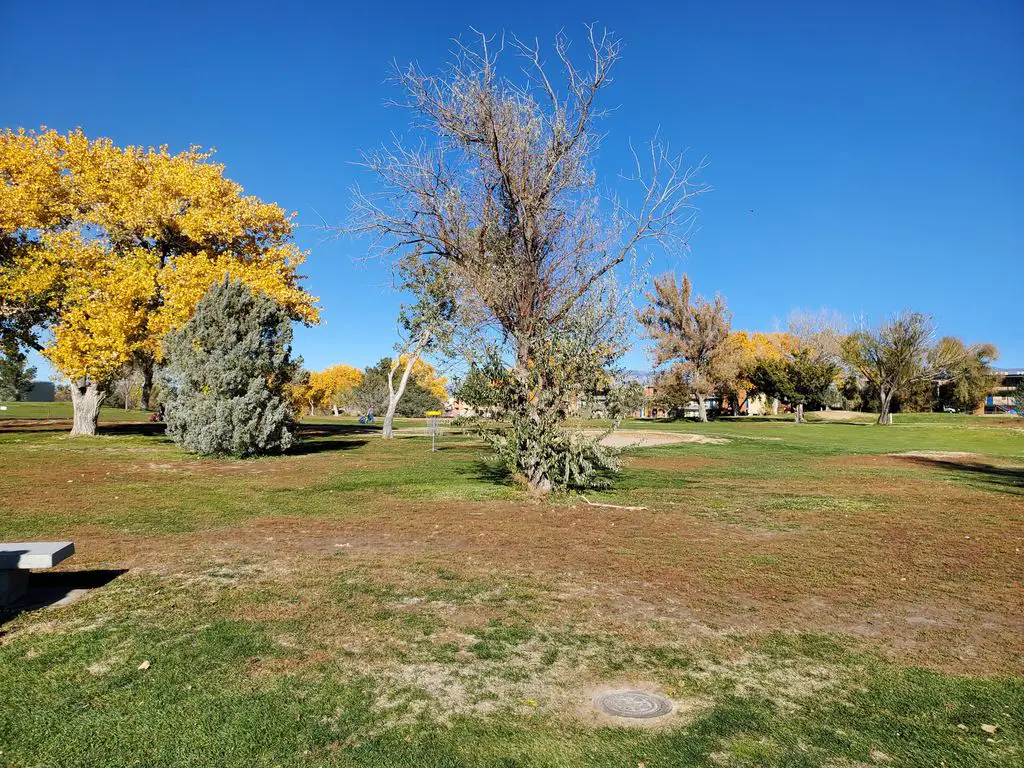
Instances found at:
x=752 y=347
x=328 y=387
x=427 y=377
x=120 y=244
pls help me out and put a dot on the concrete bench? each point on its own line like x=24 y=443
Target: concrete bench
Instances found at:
x=16 y=558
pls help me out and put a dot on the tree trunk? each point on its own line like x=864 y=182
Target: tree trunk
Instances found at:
x=775 y=406
x=86 y=399
x=702 y=408
x=539 y=482
x=800 y=413
x=393 y=395
x=885 y=403
x=147 y=385
x=334 y=409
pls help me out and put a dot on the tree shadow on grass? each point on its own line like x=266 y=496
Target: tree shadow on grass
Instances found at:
x=489 y=471
x=988 y=476
x=58 y=588
x=147 y=428
x=326 y=430
x=308 y=447
x=323 y=438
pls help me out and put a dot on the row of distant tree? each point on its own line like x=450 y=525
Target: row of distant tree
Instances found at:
x=817 y=363
x=345 y=389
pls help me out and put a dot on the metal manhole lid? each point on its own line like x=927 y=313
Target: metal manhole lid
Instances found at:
x=634 y=704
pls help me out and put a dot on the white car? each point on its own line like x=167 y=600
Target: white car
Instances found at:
x=948 y=409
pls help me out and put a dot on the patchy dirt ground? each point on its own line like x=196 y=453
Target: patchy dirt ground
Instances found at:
x=776 y=585
x=649 y=438
x=889 y=550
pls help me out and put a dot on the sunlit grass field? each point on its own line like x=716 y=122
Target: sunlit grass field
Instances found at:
x=827 y=594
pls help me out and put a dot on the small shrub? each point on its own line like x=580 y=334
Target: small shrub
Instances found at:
x=571 y=461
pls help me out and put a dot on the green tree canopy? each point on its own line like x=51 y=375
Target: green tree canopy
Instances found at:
x=373 y=392
x=15 y=375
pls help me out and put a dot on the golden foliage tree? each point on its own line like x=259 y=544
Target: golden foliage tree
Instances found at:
x=429 y=378
x=753 y=348
x=331 y=387
x=104 y=250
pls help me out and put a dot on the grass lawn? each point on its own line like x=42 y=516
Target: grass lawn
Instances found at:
x=61 y=411
x=829 y=594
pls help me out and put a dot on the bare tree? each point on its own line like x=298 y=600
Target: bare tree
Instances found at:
x=901 y=353
x=129 y=384
x=822 y=332
x=694 y=335
x=500 y=191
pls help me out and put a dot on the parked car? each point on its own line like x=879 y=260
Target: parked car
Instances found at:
x=948 y=409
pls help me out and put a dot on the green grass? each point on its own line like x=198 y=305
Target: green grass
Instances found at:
x=913 y=432
x=62 y=410
x=808 y=600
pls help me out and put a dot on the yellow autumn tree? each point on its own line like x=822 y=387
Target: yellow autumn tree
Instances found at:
x=428 y=377
x=752 y=348
x=104 y=250
x=331 y=387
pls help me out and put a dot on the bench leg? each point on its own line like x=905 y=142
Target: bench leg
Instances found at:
x=13 y=585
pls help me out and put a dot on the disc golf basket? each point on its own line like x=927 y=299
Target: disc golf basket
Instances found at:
x=433 y=428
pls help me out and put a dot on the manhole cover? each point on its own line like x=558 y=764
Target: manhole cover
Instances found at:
x=633 y=704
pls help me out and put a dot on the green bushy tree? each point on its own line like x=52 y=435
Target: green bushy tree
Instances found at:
x=15 y=375
x=802 y=378
x=372 y=393
x=227 y=375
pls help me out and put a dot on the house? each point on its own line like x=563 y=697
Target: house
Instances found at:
x=755 y=405
x=1000 y=400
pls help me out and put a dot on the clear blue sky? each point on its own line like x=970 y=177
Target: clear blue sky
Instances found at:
x=880 y=145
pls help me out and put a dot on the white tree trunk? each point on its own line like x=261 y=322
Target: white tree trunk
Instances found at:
x=800 y=413
x=86 y=399
x=775 y=406
x=395 y=395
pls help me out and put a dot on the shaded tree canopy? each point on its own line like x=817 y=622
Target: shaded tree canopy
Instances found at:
x=968 y=376
x=424 y=392
x=16 y=375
